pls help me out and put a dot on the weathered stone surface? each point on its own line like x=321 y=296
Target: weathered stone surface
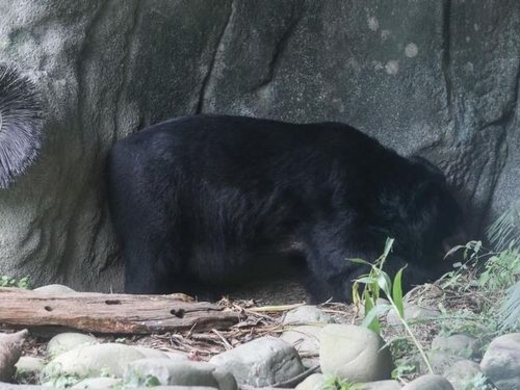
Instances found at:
x=440 y=361
x=10 y=351
x=437 y=78
x=176 y=356
x=412 y=313
x=306 y=341
x=28 y=368
x=354 y=353
x=312 y=382
x=98 y=383
x=90 y=361
x=261 y=362
x=67 y=341
x=462 y=373
x=10 y=386
x=317 y=381
x=307 y=315
x=459 y=344
x=54 y=289
x=177 y=388
x=429 y=382
x=169 y=372
x=501 y=362
x=382 y=385
x=150 y=353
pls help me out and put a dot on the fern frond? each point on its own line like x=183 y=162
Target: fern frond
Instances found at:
x=509 y=312
x=504 y=232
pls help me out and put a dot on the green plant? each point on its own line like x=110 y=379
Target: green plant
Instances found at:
x=63 y=381
x=373 y=282
x=478 y=382
x=504 y=265
x=336 y=383
x=105 y=372
x=509 y=310
x=151 y=381
x=492 y=280
x=136 y=378
x=26 y=377
x=53 y=376
x=406 y=364
x=500 y=277
x=504 y=235
x=404 y=368
x=6 y=281
x=376 y=281
x=480 y=325
x=501 y=270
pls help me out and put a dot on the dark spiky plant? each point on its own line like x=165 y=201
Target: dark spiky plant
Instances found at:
x=504 y=234
x=21 y=124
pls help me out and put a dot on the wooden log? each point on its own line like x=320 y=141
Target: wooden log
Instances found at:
x=111 y=313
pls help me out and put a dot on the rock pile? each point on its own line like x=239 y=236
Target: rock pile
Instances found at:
x=310 y=353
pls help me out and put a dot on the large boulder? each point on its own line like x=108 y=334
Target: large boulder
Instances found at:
x=501 y=362
x=437 y=78
x=354 y=353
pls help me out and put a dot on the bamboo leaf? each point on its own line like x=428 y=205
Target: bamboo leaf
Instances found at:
x=397 y=292
x=367 y=280
x=360 y=261
x=388 y=246
x=384 y=283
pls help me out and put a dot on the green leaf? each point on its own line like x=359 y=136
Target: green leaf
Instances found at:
x=384 y=282
x=453 y=250
x=367 y=280
x=397 y=292
x=382 y=309
x=360 y=261
x=388 y=246
x=371 y=321
x=369 y=303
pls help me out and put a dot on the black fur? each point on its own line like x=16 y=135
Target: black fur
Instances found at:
x=202 y=202
x=21 y=124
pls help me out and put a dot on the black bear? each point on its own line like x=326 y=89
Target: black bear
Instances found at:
x=202 y=202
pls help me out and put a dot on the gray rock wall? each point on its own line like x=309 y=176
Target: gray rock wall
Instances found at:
x=440 y=78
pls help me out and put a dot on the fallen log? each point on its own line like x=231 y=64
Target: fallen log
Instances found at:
x=111 y=313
